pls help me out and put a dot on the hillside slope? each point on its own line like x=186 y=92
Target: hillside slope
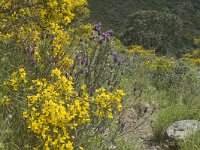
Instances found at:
x=114 y=13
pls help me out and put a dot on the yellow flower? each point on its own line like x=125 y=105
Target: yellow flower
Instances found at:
x=120 y=92
x=81 y=148
x=69 y=145
x=119 y=107
x=110 y=115
x=25 y=114
x=56 y=72
x=55 y=109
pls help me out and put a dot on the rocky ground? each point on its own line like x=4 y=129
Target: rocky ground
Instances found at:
x=138 y=123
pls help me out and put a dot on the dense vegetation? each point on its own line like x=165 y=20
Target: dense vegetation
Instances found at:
x=66 y=84
x=115 y=14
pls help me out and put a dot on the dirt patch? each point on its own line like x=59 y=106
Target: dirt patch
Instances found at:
x=137 y=122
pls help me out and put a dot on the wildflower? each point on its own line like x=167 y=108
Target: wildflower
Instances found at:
x=97 y=27
x=56 y=72
x=55 y=108
x=42 y=36
x=92 y=37
x=116 y=57
x=107 y=34
x=120 y=92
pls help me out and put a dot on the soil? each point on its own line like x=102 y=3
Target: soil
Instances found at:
x=138 y=123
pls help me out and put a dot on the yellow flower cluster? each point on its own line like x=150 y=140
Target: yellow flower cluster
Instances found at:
x=14 y=83
x=59 y=42
x=55 y=110
x=193 y=57
x=83 y=32
x=47 y=11
x=136 y=49
x=195 y=61
x=17 y=79
x=5 y=101
x=32 y=18
x=107 y=102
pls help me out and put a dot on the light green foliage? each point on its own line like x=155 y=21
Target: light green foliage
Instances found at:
x=130 y=144
x=191 y=143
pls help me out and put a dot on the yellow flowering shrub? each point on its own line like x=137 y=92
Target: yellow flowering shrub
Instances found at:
x=139 y=50
x=31 y=25
x=55 y=110
x=45 y=101
x=38 y=15
x=160 y=64
x=195 y=61
x=17 y=80
x=107 y=102
x=151 y=61
x=193 y=57
x=12 y=86
x=168 y=73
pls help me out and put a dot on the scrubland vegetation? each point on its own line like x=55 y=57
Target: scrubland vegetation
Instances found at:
x=67 y=84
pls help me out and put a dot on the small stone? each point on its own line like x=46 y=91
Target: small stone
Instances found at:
x=183 y=128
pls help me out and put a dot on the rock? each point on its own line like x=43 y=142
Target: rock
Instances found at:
x=181 y=129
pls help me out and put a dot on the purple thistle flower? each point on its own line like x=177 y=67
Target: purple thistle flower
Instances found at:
x=42 y=36
x=110 y=32
x=92 y=37
x=107 y=34
x=116 y=57
x=97 y=27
